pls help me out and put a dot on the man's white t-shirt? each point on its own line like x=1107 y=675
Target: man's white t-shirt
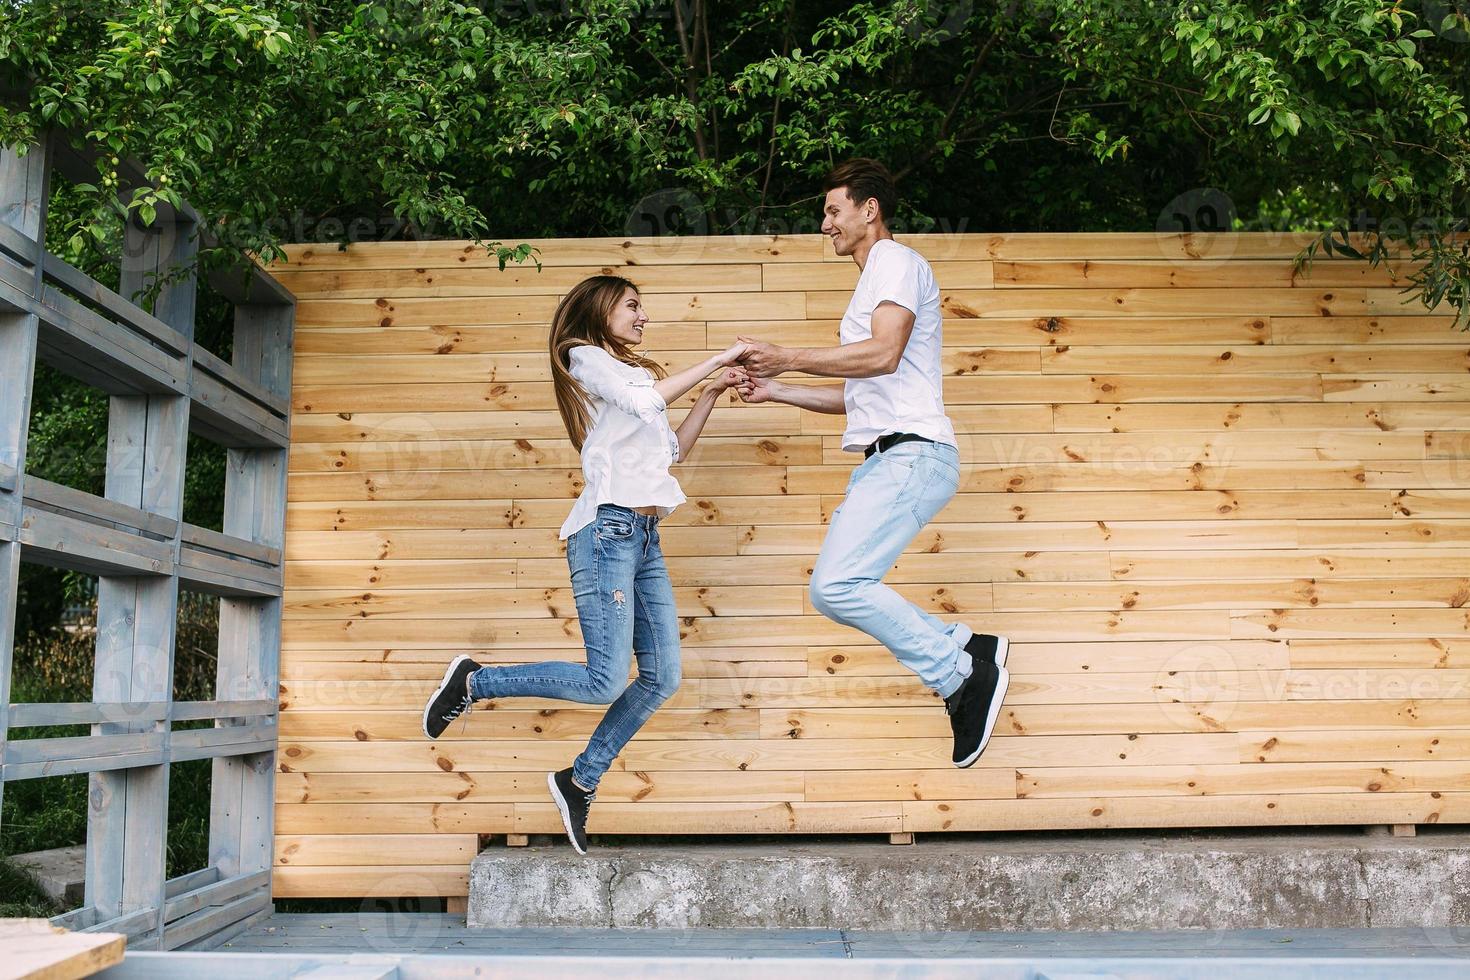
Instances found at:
x=910 y=399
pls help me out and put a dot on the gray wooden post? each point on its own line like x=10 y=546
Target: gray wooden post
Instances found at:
x=22 y=207
x=137 y=616
x=242 y=789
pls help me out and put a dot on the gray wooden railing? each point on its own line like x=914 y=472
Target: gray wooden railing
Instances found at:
x=161 y=388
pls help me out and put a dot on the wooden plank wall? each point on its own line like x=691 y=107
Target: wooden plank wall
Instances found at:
x=1222 y=509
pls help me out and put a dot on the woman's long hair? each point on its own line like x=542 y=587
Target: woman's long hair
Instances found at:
x=581 y=318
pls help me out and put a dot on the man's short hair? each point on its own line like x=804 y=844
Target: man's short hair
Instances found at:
x=865 y=178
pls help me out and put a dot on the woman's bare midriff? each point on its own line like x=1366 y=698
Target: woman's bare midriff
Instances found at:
x=650 y=511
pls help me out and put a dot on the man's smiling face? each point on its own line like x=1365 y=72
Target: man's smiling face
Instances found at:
x=844 y=222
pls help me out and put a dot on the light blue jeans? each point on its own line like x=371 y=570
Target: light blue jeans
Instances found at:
x=626 y=607
x=890 y=498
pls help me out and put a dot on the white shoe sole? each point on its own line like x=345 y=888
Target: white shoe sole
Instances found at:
x=443 y=683
x=990 y=719
x=566 y=814
x=1002 y=646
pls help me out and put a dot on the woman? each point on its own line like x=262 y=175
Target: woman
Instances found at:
x=614 y=403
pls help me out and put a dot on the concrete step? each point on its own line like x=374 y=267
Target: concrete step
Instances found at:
x=61 y=872
x=1018 y=882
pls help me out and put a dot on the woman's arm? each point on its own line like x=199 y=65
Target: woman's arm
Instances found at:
x=676 y=386
x=639 y=395
x=693 y=424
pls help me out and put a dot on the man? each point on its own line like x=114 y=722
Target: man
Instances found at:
x=890 y=356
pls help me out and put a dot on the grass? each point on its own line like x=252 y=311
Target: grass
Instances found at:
x=20 y=896
x=49 y=812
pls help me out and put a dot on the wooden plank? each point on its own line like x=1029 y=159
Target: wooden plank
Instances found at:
x=744 y=630
x=103 y=353
x=478 y=543
x=229 y=417
x=1254 y=274
x=1278 y=747
x=1428 y=388
x=793 y=276
x=51 y=713
x=1128 y=475
x=396 y=457
x=124 y=310
x=773 y=600
x=230 y=544
x=54 y=496
x=37 y=950
x=626 y=251
x=1406 y=329
x=1035 y=331
x=752 y=755
x=489 y=573
x=1385 y=417
x=1182 y=505
x=1283 y=778
x=394 y=818
x=1111 y=388
x=356 y=882
x=67 y=542
x=1215 y=363
x=736 y=818
x=1311 y=564
x=507 y=722
x=1222 y=593
x=219 y=575
x=1082 y=537
x=1261 y=720
x=1401 y=651
x=1133 y=301
x=455 y=311
x=473 y=786
x=247 y=386
x=367 y=427
x=1343 y=623
x=1140 y=450
x=500 y=339
x=412 y=484
x=514 y=280
x=366 y=850
x=1184 y=811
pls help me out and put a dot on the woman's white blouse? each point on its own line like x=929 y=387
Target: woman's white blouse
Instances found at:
x=629 y=445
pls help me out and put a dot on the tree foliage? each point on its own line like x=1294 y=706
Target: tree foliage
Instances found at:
x=305 y=119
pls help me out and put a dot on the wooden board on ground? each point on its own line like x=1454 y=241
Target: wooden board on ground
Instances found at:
x=37 y=950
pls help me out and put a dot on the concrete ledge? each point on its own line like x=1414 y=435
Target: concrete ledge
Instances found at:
x=61 y=873
x=1284 y=880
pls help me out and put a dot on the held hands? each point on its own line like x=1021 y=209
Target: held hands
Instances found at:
x=763 y=360
x=753 y=390
x=748 y=367
x=725 y=378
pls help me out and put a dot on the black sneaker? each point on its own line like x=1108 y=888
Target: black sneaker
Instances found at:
x=991 y=649
x=973 y=710
x=573 y=802
x=451 y=698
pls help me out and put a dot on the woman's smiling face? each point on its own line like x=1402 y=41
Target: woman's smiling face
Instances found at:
x=626 y=321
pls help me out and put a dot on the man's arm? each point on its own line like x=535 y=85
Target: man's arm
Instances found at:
x=826 y=399
x=891 y=325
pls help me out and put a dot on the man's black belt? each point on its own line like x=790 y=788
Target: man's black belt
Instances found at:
x=889 y=441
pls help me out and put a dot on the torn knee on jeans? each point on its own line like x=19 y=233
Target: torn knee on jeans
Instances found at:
x=618 y=596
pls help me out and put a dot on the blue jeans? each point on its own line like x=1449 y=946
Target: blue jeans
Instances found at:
x=626 y=607
x=890 y=498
